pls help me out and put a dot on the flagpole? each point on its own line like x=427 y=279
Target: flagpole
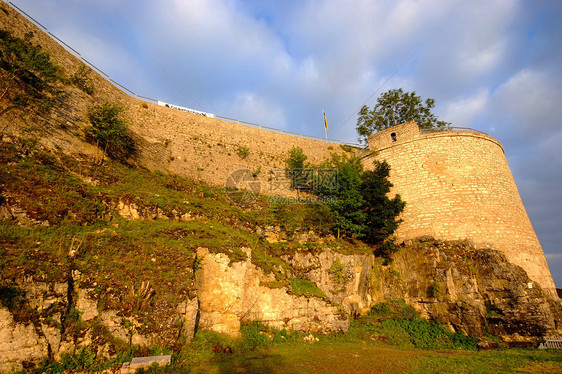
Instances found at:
x=325 y=125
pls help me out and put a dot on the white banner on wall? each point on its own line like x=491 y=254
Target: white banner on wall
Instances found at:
x=162 y=103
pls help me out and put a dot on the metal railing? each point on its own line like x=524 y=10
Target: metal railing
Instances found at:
x=234 y=120
x=450 y=128
x=144 y=98
x=551 y=342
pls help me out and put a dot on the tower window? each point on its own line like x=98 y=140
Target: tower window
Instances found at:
x=393 y=136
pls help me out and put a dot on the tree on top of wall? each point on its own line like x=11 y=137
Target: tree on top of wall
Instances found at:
x=395 y=107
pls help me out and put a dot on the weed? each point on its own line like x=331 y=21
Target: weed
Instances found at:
x=435 y=290
x=337 y=271
x=301 y=287
x=81 y=79
x=243 y=152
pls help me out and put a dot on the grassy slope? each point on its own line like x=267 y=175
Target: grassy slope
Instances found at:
x=68 y=198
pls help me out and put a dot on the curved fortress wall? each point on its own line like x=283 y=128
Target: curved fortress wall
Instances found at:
x=457 y=185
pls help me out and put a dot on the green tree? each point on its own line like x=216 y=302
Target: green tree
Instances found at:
x=395 y=107
x=348 y=201
x=298 y=170
x=381 y=211
x=109 y=131
x=27 y=74
x=358 y=201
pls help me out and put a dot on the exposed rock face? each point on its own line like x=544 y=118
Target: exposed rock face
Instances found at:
x=343 y=278
x=18 y=343
x=467 y=289
x=36 y=329
x=474 y=290
x=231 y=293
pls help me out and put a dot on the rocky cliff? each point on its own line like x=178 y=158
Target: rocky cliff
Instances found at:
x=467 y=289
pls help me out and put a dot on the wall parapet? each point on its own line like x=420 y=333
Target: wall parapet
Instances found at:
x=480 y=135
x=451 y=128
x=410 y=132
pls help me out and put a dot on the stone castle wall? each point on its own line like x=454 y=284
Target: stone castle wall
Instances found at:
x=209 y=149
x=170 y=140
x=457 y=185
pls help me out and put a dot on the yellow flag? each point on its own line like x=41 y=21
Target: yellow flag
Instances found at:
x=325 y=121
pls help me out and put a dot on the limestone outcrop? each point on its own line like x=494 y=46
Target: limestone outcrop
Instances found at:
x=232 y=293
x=477 y=291
x=19 y=342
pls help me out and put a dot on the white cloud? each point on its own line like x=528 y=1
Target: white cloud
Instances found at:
x=101 y=53
x=462 y=112
x=216 y=29
x=256 y=106
x=531 y=99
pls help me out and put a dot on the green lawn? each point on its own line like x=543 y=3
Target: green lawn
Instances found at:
x=359 y=357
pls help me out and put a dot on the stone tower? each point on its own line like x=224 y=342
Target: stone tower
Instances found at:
x=457 y=185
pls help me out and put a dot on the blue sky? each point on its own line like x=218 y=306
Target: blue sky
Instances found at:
x=491 y=65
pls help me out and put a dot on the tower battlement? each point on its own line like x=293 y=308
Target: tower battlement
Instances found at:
x=457 y=185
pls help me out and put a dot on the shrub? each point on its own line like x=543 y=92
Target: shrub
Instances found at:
x=346 y=148
x=109 y=131
x=31 y=78
x=255 y=335
x=200 y=349
x=392 y=309
x=298 y=172
x=337 y=271
x=435 y=290
x=243 y=152
x=425 y=334
x=14 y=299
x=301 y=287
x=385 y=249
x=81 y=80
x=400 y=324
x=304 y=217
